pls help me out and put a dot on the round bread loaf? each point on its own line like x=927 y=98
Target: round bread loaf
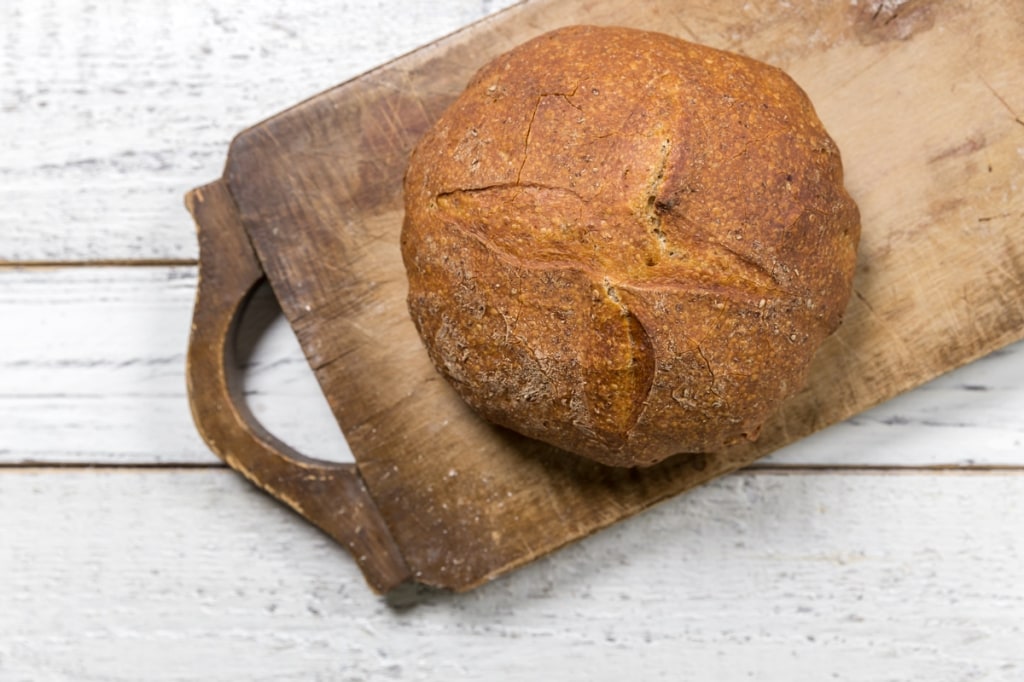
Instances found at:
x=627 y=245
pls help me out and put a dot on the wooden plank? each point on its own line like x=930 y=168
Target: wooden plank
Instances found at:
x=111 y=111
x=95 y=374
x=929 y=426
x=96 y=371
x=122 y=575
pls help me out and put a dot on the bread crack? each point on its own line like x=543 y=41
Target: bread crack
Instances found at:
x=447 y=194
x=533 y=117
x=619 y=369
x=613 y=295
x=652 y=208
x=711 y=371
x=747 y=265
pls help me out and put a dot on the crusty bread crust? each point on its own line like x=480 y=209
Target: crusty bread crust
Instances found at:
x=627 y=245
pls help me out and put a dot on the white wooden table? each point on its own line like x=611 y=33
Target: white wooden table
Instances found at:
x=890 y=547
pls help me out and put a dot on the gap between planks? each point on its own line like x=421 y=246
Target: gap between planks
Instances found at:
x=757 y=469
x=105 y=263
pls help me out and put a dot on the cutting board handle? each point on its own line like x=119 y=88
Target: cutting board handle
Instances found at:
x=330 y=495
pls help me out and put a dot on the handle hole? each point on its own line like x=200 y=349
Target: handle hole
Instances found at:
x=278 y=386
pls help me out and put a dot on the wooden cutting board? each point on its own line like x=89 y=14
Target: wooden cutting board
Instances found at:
x=925 y=100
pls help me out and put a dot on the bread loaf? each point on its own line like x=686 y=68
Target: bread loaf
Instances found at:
x=627 y=245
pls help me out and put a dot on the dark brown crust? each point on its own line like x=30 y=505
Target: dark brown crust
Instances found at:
x=627 y=245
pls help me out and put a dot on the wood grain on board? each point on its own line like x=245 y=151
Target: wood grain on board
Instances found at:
x=931 y=139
